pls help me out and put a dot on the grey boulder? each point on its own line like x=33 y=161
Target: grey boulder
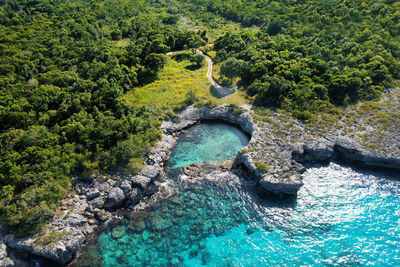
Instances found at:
x=114 y=198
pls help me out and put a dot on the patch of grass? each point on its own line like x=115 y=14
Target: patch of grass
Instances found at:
x=210 y=104
x=217 y=73
x=173 y=84
x=212 y=53
x=237 y=110
x=49 y=239
x=262 y=167
x=238 y=98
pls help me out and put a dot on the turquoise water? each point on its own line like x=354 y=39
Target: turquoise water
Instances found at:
x=209 y=141
x=341 y=217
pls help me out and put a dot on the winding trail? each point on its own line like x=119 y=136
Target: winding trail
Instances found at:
x=221 y=90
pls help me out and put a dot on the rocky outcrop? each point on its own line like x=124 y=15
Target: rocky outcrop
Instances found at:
x=5 y=260
x=275 y=181
x=345 y=149
x=278 y=185
x=189 y=117
x=114 y=198
x=230 y=114
x=62 y=237
x=349 y=151
x=192 y=115
x=317 y=151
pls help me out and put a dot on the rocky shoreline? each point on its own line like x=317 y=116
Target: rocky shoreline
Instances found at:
x=274 y=157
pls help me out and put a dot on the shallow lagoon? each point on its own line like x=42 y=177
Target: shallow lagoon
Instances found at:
x=207 y=142
x=341 y=216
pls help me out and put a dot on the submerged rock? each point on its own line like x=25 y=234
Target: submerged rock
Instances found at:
x=158 y=223
x=118 y=232
x=137 y=225
x=193 y=253
x=205 y=258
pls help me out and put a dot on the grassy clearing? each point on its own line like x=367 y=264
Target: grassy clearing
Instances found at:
x=237 y=98
x=212 y=54
x=172 y=85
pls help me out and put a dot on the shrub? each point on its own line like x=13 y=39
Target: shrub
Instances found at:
x=262 y=167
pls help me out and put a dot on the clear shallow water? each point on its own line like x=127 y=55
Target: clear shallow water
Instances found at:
x=341 y=217
x=207 y=142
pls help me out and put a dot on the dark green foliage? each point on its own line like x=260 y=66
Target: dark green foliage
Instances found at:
x=197 y=59
x=190 y=98
x=62 y=78
x=307 y=52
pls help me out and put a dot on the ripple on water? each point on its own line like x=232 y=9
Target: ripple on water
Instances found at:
x=341 y=217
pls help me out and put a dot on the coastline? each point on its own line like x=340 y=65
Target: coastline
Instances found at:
x=98 y=198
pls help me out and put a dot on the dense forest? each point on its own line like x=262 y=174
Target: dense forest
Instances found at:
x=62 y=75
x=65 y=66
x=307 y=55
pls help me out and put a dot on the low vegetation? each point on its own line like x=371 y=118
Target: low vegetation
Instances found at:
x=172 y=85
x=262 y=167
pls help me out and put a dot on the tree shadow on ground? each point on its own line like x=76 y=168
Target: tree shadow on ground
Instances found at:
x=192 y=67
x=181 y=56
x=214 y=92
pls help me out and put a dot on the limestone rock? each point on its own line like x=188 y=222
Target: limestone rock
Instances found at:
x=187 y=118
x=125 y=186
x=103 y=186
x=134 y=196
x=114 y=198
x=349 y=151
x=102 y=215
x=141 y=181
x=4 y=259
x=97 y=203
x=316 y=151
x=277 y=185
x=151 y=171
x=93 y=194
x=227 y=114
x=62 y=249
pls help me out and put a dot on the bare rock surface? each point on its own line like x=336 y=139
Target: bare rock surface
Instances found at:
x=114 y=198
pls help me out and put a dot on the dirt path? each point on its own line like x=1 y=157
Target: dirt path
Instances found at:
x=222 y=91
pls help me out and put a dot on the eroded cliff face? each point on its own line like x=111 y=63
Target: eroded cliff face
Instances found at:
x=274 y=157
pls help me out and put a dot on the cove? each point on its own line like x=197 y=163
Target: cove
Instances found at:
x=341 y=217
x=210 y=141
